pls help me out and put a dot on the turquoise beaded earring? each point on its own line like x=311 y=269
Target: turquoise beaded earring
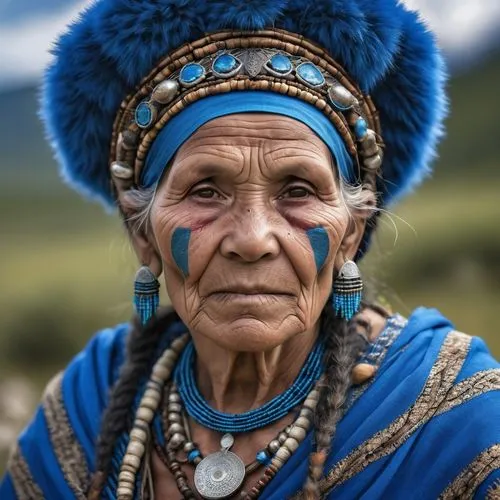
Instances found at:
x=347 y=291
x=146 y=294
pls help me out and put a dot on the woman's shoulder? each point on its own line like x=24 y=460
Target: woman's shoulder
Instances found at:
x=55 y=452
x=434 y=386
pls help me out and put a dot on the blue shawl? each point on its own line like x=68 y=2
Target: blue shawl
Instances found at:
x=427 y=426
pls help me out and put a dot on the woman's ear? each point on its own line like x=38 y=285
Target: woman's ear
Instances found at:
x=141 y=238
x=146 y=252
x=356 y=228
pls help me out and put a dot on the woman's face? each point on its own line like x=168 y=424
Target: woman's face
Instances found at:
x=249 y=225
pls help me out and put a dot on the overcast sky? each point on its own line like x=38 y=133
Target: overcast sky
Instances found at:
x=463 y=28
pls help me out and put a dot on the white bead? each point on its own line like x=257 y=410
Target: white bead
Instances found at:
x=178 y=344
x=174 y=408
x=306 y=412
x=373 y=162
x=124 y=493
x=153 y=393
x=169 y=355
x=174 y=418
x=160 y=372
x=297 y=433
x=165 y=91
x=126 y=477
x=121 y=170
x=175 y=428
x=310 y=403
x=135 y=448
x=145 y=414
x=291 y=444
x=303 y=422
x=139 y=435
x=128 y=468
x=314 y=395
x=176 y=441
x=283 y=454
x=157 y=379
x=149 y=402
x=132 y=460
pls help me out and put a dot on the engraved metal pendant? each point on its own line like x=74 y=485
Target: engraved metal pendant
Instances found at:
x=220 y=474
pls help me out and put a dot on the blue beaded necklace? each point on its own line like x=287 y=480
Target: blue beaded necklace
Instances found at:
x=272 y=411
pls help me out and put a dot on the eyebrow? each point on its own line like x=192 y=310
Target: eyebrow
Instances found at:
x=304 y=164
x=191 y=168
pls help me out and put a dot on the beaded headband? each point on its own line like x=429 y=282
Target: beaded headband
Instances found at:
x=269 y=60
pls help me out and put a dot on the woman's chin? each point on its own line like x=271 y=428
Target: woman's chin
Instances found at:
x=251 y=333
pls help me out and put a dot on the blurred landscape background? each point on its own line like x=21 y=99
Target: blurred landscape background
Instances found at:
x=66 y=267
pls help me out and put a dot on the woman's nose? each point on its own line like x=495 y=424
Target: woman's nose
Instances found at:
x=252 y=237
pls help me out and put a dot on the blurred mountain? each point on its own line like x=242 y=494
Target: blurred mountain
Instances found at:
x=15 y=10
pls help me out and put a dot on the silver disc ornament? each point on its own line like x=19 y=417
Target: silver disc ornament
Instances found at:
x=220 y=474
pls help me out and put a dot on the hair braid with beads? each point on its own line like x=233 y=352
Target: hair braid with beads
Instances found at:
x=343 y=345
x=142 y=345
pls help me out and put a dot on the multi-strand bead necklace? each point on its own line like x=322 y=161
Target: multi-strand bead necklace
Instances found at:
x=219 y=474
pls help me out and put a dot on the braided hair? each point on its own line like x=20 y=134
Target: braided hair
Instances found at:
x=142 y=346
x=343 y=344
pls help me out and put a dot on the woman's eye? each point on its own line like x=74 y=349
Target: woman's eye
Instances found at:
x=297 y=192
x=205 y=193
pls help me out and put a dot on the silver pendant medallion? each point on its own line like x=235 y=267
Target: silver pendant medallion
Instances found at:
x=220 y=474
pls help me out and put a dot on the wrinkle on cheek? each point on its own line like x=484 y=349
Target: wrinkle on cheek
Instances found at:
x=179 y=247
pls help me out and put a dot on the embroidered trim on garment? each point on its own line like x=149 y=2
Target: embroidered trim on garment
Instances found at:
x=376 y=352
x=23 y=481
x=479 y=383
x=68 y=451
x=465 y=485
x=493 y=492
x=434 y=395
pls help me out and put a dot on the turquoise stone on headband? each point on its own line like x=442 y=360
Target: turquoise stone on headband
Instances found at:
x=191 y=74
x=309 y=74
x=280 y=64
x=144 y=114
x=225 y=65
x=360 y=128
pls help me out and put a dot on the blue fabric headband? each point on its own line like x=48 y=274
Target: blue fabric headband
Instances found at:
x=182 y=126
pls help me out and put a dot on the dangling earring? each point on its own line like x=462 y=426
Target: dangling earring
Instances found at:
x=146 y=294
x=347 y=291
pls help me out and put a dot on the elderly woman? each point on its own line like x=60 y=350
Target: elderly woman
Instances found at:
x=249 y=164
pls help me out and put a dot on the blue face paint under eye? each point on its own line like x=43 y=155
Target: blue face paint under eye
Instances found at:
x=180 y=248
x=320 y=243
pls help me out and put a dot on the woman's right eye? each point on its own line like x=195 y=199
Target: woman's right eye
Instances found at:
x=205 y=193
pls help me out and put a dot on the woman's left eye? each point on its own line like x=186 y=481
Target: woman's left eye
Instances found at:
x=297 y=192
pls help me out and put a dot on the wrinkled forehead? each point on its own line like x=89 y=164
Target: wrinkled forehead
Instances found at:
x=269 y=132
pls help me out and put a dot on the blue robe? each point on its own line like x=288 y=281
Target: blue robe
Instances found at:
x=426 y=426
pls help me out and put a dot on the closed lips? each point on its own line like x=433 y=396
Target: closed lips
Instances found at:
x=250 y=291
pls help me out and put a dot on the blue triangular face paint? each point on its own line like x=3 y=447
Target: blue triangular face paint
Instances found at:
x=320 y=243
x=180 y=248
